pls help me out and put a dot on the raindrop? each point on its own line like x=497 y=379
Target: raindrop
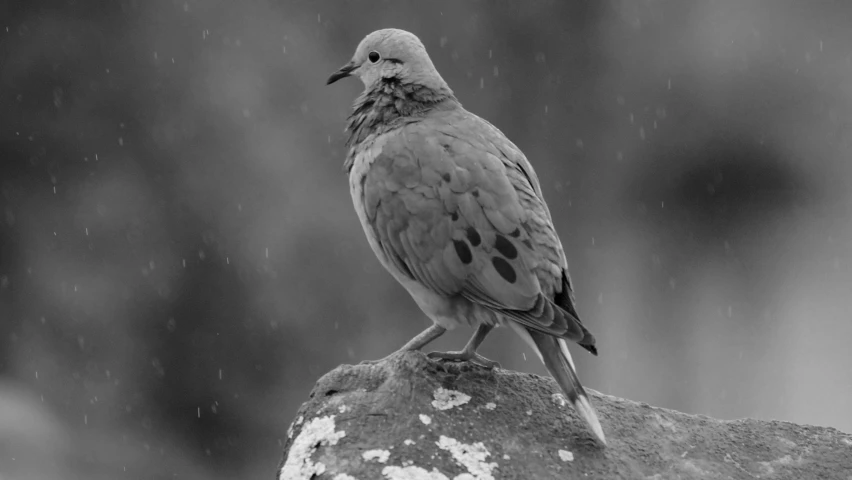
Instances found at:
x=481 y=82
x=642 y=133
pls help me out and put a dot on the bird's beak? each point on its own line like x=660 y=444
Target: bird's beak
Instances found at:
x=344 y=71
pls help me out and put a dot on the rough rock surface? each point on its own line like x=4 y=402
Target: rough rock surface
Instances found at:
x=409 y=418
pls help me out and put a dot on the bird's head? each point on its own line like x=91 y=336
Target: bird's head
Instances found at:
x=391 y=54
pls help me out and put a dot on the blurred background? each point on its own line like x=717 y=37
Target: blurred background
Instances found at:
x=180 y=260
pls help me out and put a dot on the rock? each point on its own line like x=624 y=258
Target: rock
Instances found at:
x=409 y=418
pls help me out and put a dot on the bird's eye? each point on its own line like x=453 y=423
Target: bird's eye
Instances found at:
x=374 y=57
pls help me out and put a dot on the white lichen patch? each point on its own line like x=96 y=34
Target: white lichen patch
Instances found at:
x=378 y=455
x=408 y=441
x=446 y=399
x=472 y=457
x=318 y=431
x=342 y=409
x=566 y=456
x=300 y=420
x=529 y=412
x=426 y=419
x=847 y=441
x=786 y=460
x=344 y=476
x=490 y=405
x=558 y=399
x=412 y=472
x=506 y=456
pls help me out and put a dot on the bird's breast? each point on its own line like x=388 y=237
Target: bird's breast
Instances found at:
x=362 y=157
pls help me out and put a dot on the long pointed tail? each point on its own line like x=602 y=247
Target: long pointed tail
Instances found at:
x=554 y=353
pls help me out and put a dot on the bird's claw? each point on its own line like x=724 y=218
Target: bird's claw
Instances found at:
x=465 y=356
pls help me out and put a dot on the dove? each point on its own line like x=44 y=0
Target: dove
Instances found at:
x=455 y=212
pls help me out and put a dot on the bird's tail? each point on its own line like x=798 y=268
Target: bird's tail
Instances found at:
x=554 y=353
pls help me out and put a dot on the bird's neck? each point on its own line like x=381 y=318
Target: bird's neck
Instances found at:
x=390 y=104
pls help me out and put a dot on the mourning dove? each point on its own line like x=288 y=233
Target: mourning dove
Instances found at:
x=454 y=211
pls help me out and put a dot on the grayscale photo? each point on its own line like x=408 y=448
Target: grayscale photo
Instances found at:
x=437 y=240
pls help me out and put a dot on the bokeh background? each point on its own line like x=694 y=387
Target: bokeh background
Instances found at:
x=180 y=261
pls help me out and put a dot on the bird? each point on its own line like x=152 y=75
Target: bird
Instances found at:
x=455 y=213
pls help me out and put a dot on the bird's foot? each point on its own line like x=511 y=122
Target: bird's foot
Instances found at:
x=383 y=359
x=465 y=356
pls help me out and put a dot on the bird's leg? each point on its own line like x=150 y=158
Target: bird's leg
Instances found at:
x=423 y=338
x=468 y=354
x=415 y=343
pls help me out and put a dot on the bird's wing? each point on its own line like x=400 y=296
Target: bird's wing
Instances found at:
x=453 y=208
